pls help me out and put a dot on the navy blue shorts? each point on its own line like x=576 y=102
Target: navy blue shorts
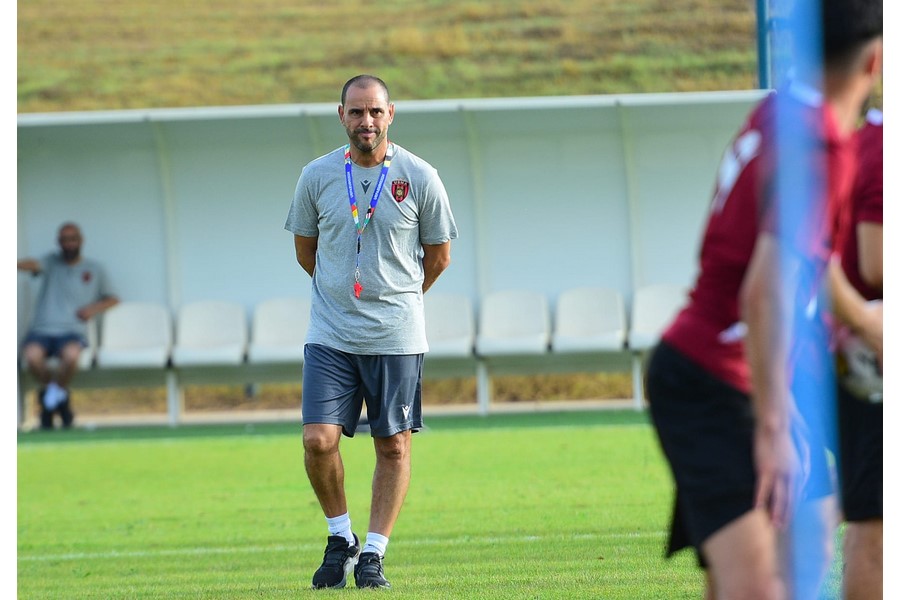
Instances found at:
x=336 y=383
x=706 y=430
x=53 y=344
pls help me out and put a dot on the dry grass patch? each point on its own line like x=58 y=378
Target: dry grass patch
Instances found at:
x=89 y=55
x=442 y=392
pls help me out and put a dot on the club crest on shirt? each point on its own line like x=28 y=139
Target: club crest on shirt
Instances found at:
x=86 y=276
x=399 y=190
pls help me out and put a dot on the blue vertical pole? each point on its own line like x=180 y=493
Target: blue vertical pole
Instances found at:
x=801 y=194
x=762 y=44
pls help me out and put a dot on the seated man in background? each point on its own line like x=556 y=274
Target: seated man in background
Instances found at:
x=73 y=291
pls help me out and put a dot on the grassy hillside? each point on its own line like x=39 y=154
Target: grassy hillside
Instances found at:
x=95 y=54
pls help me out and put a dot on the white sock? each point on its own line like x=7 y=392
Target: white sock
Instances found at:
x=375 y=542
x=54 y=395
x=340 y=525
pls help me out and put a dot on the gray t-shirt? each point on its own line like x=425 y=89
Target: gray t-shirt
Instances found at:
x=388 y=317
x=66 y=288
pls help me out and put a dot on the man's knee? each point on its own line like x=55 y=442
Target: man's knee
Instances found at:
x=743 y=559
x=394 y=448
x=34 y=354
x=70 y=354
x=35 y=357
x=320 y=439
x=746 y=584
x=767 y=588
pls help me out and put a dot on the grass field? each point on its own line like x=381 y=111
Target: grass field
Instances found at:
x=555 y=505
x=507 y=507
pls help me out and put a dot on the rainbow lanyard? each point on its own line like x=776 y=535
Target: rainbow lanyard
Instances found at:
x=351 y=193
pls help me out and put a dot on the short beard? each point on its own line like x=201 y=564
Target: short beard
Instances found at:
x=71 y=255
x=367 y=147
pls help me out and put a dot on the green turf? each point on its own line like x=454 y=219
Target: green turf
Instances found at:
x=569 y=505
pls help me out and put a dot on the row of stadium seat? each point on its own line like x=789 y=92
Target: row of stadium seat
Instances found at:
x=510 y=323
x=213 y=341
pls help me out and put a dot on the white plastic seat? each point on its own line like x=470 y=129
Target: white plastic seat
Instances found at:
x=589 y=319
x=652 y=309
x=135 y=334
x=279 y=330
x=449 y=325
x=513 y=322
x=210 y=332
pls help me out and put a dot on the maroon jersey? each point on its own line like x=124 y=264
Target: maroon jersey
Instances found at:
x=866 y=200
x=708 y=329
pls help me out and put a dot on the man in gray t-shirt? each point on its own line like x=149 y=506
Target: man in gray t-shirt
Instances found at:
x=74 y=290
x=372 y=226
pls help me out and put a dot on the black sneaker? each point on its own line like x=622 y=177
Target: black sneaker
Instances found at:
x=65 y=413
x=46 y=415
x=340 y=557
x=369 y=572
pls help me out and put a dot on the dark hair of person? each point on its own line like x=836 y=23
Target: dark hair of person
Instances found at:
x=847 y=26
x=364 y=81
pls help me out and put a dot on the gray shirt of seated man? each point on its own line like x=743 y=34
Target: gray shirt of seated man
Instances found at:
x=64 y=289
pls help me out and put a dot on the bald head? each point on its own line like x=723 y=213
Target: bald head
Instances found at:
x=364 y=81
x=70 y=242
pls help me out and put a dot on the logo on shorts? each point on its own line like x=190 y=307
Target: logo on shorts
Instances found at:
x=399 y=190
x=405 y=410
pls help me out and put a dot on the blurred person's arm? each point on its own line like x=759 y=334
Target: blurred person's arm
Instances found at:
x=870 y=239
x=851 y=308
x=763 y=309
x=29 y=264
x=89 y=311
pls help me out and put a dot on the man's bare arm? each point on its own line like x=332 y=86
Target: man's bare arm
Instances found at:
x=305 y=248
x=870 y=239
x=764 y=311
x=29 y=264
x=851 y=308
x=86 y=313
x=435 y=261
